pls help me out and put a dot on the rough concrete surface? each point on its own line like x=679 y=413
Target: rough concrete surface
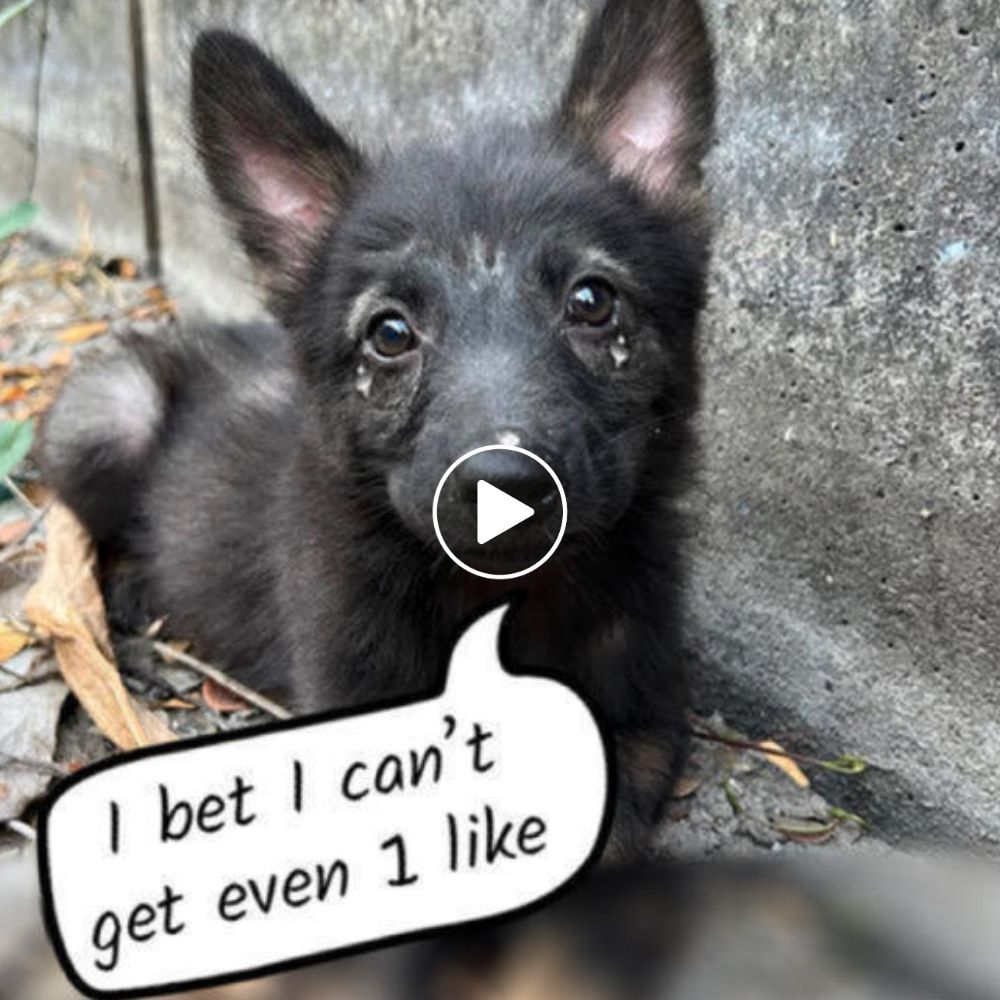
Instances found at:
x=845 y=538
x=87 y=170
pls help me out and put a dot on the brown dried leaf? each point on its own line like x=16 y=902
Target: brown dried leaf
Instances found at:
x=60 y=358
x=66 y=605
x=83 y=331
x=783 y=763
x=217 y=698
x=12 y=641
x=18 y=371
x=176 y=703
x=13 y=531
x=13 y=394
x=36 y=405
x=806 y=831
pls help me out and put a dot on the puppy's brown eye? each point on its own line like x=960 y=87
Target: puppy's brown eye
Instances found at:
x=390 y=335
x=592 y=302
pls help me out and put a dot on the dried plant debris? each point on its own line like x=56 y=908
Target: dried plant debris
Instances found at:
x=51 y=307
x=736 y=798
x=66 y=607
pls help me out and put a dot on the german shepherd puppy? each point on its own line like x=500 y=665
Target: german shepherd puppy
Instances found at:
x=536 y=283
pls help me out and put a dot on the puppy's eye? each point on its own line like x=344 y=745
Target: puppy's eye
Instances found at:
x=390 y=335
x=592 y=302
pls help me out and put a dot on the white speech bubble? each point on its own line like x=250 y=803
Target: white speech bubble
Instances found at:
x=247 y=853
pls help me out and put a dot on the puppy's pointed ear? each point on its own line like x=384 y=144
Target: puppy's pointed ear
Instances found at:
x=642 y=94
x=280 y=169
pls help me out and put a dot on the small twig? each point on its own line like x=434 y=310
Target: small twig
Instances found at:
x=19 y=496
x=207 y=670
x=32 y=680
x=22 y=829
x=43 y=766
x=40 y=514
x=856 y=765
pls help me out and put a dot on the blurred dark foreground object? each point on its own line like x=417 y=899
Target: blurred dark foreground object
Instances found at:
x=880 y=926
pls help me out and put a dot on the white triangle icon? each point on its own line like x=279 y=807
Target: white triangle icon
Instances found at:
x=497 y=512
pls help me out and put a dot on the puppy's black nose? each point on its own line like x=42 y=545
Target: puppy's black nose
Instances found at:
x=520 y=476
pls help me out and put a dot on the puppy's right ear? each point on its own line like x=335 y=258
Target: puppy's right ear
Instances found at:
x=642 y=93
x=280 y=169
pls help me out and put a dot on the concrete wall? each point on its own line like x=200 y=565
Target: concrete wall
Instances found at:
x=88 y=174
x=846 y=541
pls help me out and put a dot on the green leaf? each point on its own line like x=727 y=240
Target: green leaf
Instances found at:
x=848 y=817
x=849 y=764
x=15 y=443
x=13 y=10
x=19 y=217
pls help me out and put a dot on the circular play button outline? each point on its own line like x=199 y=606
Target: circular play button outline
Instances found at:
x=562 y=499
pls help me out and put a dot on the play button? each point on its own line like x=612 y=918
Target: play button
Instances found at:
x=499 y=511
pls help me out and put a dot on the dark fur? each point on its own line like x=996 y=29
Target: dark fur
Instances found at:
x=281 y=517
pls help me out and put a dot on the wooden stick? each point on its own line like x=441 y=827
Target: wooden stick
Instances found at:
x=44 y=766
x=207 y=670
x=22 y=828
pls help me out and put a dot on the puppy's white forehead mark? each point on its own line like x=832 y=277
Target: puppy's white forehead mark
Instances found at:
x=509 y=439
x=482 y=262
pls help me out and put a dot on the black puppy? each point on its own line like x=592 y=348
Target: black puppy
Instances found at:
x=536 y=284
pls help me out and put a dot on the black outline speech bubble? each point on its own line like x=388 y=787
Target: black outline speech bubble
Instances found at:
x=48 y=908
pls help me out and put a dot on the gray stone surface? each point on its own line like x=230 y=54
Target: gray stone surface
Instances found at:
x=845 y=532
x=87 y=183
x=847 y=551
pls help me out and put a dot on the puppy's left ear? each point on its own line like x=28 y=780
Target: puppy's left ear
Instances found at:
x=642 y=92
x=280 y=169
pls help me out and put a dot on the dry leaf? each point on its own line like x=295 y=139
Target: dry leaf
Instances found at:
x=12 y=641
x=13 y=531
x=36 y=405
x=83 y=331
x=60 y=358
x=176 y=703
x=66 y=605
x=686 y=787
x=806 y=831
x=219 y=699
x=783 y=763
x=18 y=371
x=13 y=394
